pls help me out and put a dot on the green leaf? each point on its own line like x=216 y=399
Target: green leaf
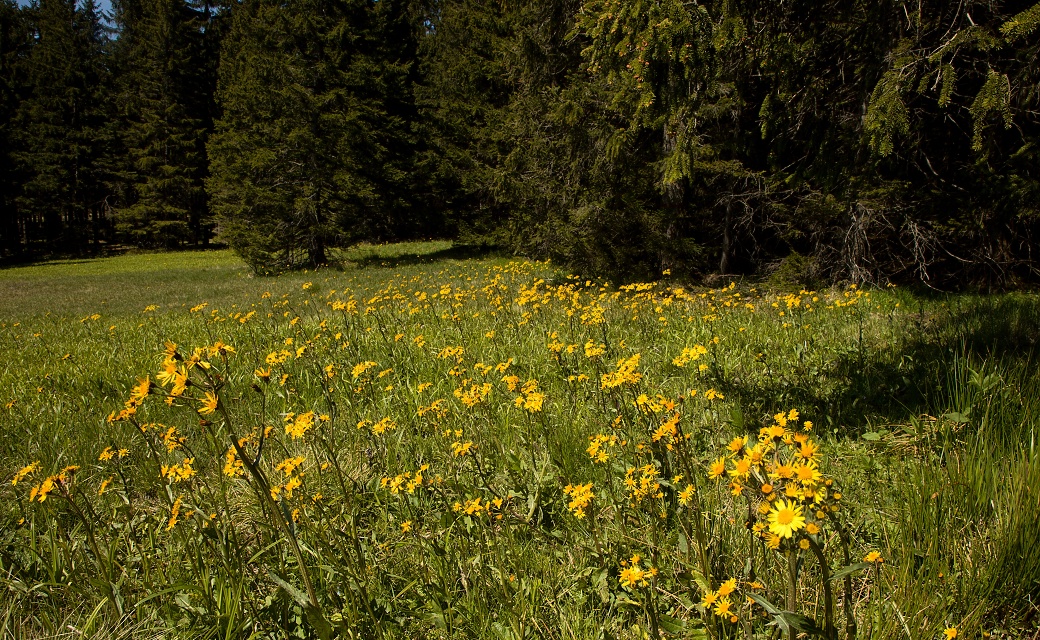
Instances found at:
x=670 y=624
x=435 y=615
x=788 y=620
x=849 y=570
x=297 y=595
x=322 y=627
x=954 y=416
x=702 y=582
x=736 y=417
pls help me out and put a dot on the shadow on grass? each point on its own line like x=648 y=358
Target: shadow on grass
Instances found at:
x=456 y=252
x=871 y=384
x=22 y=261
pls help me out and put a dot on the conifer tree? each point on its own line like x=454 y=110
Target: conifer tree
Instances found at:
x=462 y=93
x=14 y=46
x=296 y=142
x=164 y=101
x=61 y=128
x=407 y=204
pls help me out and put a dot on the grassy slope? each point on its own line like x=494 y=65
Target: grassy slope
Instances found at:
x=945 y=391
x=127 y=284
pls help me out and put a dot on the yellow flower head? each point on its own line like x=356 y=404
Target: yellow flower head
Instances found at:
x=718 y=468
x=289 y=465
x=809 y=451
x=25 y=471
x=361 y=368
x=686 y=495
x=786 y=518
x=736 y=445
x=459 y=449
x=174 y=514
x=741 y=468
x=232 y=465
x=209 y=404
x=808 y=474
x=727 y=587
x=141 y=390
x=709 y=599
x=724 y=607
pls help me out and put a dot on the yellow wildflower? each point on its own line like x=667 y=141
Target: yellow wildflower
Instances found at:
x=459 y=449
x=786 y=518
x=209 y=404
x=581 y=497
x=174 y=514
x=718 y=468
x=27 y=470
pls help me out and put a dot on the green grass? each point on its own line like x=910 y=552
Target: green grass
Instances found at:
x=925 y=410
x=128 y=283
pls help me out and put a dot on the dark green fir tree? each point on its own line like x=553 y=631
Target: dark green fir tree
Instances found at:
x=15 y=41
x=296 y=142
x=61 y=129
x=164 y=102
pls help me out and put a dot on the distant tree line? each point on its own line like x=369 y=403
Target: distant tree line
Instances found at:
x=862 y=140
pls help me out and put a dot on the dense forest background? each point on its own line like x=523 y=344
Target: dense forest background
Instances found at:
x=860 y=140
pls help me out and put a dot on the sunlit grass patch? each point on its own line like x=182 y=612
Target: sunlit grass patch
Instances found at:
x=494 y=448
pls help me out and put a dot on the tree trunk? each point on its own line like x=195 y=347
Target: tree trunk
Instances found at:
x=727 y=225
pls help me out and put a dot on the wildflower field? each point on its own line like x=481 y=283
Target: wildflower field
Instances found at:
x=422 y=446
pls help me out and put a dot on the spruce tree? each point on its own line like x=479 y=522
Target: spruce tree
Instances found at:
x=296 y=142
x=162 y=73
x=61 y=129
x=14 y=46
x=462 y=95
x=407 y=205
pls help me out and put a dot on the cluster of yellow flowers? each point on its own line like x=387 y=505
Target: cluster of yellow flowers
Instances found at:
x=296 y=426
x=635 y=574
x=719 y=602
x=668 y=431
x=438 y=409
x=581 y=497
x=460 y=449
x=179 y=472
x=109 y=453
x=530 y=398
x=473 y=396
x=405 y=481
x=292 y=482
x=360 y=368
x=627 y=373
x=58 y=481
x=599 y=445
x=643 y=483
x=478 y=506
x=781 y=478
x=690 y=354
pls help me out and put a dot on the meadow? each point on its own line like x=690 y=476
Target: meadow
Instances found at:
x=430 y=444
